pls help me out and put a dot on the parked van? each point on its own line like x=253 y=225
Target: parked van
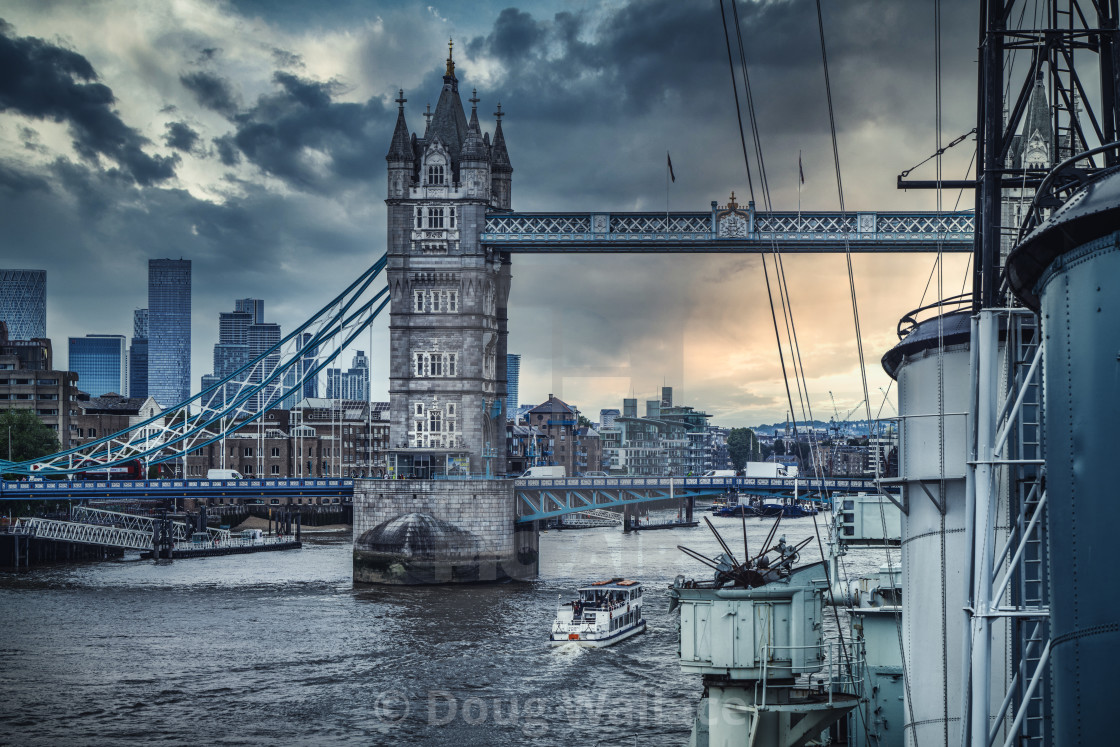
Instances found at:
x=545 y=472
x=223 y=474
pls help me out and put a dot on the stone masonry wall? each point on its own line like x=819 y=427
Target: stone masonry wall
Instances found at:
x=486 y=508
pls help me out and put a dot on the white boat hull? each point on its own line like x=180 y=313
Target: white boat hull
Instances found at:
x=559 y=639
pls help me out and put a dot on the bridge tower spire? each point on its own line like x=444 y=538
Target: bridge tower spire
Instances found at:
x=448 y=314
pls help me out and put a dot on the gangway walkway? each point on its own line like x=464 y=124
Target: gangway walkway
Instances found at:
x=105 y=535
x=179 y=531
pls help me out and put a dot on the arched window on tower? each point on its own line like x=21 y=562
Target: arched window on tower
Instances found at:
x=435 y=174
x=435 y=217
x=419 y=217
x=451 y=219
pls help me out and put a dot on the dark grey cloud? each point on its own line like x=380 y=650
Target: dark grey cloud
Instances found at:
x=284 y=58
x=227 y=150
x=279 y=130
x=594 y=99
x=211 y=91
x=45 y=81
x=180 y=137
x=13 y=180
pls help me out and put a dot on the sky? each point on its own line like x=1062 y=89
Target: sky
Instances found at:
x=250 y=137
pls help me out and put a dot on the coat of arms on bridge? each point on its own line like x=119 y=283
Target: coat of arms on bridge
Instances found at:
x=733 y=222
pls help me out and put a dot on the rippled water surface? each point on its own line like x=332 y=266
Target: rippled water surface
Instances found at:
x=281 y=648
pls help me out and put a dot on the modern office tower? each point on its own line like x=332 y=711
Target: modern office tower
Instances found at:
x=254 y=306
x=513 y=380
x=140 y=323
x=23 y=303
x=607 y=417
x=352 y=384
x=359 y=377
x=101 y=362
x=262 y=337
x=233 y=327
x=169 y=330
x=138 y=355
x=311 y=386
x=630 y=407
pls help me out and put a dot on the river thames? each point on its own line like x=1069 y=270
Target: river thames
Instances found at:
x=282 y=648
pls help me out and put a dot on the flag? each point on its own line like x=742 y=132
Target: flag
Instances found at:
x=670 y=160
x=800 y=170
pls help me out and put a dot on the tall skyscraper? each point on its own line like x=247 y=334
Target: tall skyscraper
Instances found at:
x=262 y=336
x=169 y=330
x=138 y=355
x=101 y=362
x=140 y=324
x=352 y=384
x=311 y=386
x=513 y=381
x=254 y=306
x=23 y=303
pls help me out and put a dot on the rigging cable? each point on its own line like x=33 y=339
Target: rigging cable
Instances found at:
x=757 y=141
x=855 y=314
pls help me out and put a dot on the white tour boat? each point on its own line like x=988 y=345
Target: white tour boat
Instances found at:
x=605 y=613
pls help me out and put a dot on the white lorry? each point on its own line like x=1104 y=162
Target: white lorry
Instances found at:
x=769 y=469
x=552 y=472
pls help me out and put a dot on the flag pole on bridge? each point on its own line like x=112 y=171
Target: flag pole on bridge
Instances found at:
x=668 y=175
x=800 y=183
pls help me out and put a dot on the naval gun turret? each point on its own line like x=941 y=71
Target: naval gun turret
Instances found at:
x=754 y=632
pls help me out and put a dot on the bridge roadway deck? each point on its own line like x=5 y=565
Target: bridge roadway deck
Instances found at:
x=751 y=232
x=536 y=498
x=38 y=490
x=546 y=498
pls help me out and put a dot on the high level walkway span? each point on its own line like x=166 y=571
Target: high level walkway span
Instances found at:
x=730 y=230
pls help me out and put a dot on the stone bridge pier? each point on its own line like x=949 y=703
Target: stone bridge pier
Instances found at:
x=440 y=532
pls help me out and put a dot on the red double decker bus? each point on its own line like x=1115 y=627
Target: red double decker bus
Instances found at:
x=132 y=470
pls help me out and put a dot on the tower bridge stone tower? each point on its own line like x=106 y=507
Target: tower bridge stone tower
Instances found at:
x=447 y=377
x=448 y=320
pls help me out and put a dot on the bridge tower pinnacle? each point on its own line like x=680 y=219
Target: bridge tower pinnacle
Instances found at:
x=449 y=293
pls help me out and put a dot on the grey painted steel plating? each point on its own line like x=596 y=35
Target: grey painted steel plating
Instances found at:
x=1081 y=323
x=938 y=513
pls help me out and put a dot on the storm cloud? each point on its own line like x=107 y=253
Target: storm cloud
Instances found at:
x=45 y=81
x=250 y=138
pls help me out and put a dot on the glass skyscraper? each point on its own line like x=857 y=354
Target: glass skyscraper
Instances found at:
x=169 y=330
x=352 y=384
x=262 y=337
x=513 y=382
x=308 y=363
x=138 y=355
x=101 y=362
x=254 y=306
x=23 y=303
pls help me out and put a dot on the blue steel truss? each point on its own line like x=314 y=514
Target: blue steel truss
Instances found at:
x=256 y=387
x=544 y=499
x=60 y=490
x=730 y=229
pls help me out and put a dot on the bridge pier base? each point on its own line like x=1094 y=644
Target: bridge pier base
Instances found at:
x=414 y=532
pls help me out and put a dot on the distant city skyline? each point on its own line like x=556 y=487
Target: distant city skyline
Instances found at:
x=250 y=138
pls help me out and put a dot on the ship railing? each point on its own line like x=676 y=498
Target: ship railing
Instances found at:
x=840 y=671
